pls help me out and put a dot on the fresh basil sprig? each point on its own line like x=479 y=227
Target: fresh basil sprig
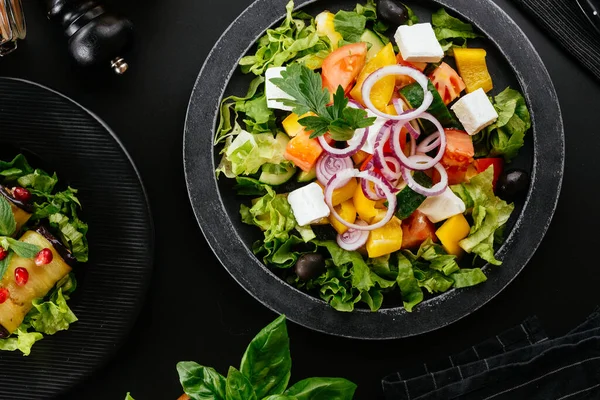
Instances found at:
x=263 y=375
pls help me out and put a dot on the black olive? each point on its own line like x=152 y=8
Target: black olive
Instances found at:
x=512 y=184
x=310 y=266
x=392 y=12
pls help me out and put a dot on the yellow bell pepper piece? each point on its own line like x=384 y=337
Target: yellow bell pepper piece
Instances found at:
x=291 y=125
x=385 y=240
x=384 y=89
x=364 y=207
x=360 y=157
x=326 y=27
x=390 y=109
x=453 y=231
x=473 y=69
x=347 y=211
x=344 y=193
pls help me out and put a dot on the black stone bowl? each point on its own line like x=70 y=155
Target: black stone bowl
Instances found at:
x=512 y=61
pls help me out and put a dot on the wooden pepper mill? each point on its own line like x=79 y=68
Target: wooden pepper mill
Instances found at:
x=96 y=36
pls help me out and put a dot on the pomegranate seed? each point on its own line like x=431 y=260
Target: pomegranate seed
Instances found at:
x=4 y=294
x=22 y=194
x=3 y=253
x=21 y=276
x=43 y=257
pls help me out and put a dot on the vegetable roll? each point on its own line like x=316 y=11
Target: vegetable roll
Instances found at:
x=21 y=209
x=27 y=279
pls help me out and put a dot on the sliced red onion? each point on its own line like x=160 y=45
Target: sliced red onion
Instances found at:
x=430 y=143
x=378 y=156
x=327 y=166
x=353 y=239
x=436 y=189
x=368 y=191
x=355 y=104
x=413 y=130
x=336 y=181
x=381 y=73
x=421 y=166
x=354 y=144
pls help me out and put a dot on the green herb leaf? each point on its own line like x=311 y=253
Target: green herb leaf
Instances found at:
x=8 y=225
x=412 y=17
x=267 y=362
x=238 y=387
x=350 y=25
x=128 y=396
x=4 y=264
x=322 y=389
x=201 y=383
x=306 y=89
x=280 y=397
x=25 y=250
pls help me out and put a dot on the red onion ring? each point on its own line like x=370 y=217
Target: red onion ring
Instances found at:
x=381 y=73
x=353 y=239
x=368 y=191
x=336 y=181
x=432 y=161
x=430 y=143
x=436 y=189
x=414 y=132
x=327 y=166
x=352 y=148
x=378 y=156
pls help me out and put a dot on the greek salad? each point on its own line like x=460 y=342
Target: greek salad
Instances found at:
x=373 y=149
x=41 y=239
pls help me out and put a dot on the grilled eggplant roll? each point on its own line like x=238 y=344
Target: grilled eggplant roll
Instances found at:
x=40 y=278
x=21 y=210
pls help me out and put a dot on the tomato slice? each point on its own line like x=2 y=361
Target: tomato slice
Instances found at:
x=483 y=164
x=341 y=68
x=447 y=82
x=416 y=229
x=459 y=149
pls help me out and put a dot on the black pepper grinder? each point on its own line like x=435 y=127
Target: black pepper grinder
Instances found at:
x=96 y=36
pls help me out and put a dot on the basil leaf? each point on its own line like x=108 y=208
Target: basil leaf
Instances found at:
x=4 y=264
x=128 y=396
x=201 y=383
x=238 y=387
x=323 y=389
x=25 y=250
x=280 y=397
x=8 y=225
x=267 y=362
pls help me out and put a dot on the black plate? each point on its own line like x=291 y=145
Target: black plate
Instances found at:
x=512 y=61
x=60 y=134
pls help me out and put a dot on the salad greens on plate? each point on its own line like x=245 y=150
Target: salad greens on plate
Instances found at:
x=373 y=152
x=41 y=238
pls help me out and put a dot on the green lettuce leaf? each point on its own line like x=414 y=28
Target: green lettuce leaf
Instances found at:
x=296 y=38
x=272 y=213
x=14 y=169
x=350 y=25
x=411 y=291
x=51 y=316
x=506 y=136
x=248 y=152
x=468 y=277
x=490 y=214
x=21 y=340
x=451 y=32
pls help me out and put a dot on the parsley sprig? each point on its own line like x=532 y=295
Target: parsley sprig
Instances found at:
x=306 y=88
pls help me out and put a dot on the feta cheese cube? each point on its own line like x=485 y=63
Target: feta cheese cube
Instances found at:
x=443 y=206
x=308 y=204
x=374 y=129
x=418 y=43
x=273 y=92
x=475 y=111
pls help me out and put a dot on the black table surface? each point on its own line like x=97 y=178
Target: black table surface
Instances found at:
x=194 y=310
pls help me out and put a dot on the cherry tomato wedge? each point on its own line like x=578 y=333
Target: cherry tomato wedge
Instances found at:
x=416 y=229
x=402 y=80
x=341 y=68
x=447 y=82
x=459 y=149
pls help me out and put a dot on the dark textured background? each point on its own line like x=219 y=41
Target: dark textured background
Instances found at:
x=195 y=311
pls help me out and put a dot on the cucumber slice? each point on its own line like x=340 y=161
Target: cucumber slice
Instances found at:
x=276 y=174
x=413 y=95
x=375 y=42
x=309 y=176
